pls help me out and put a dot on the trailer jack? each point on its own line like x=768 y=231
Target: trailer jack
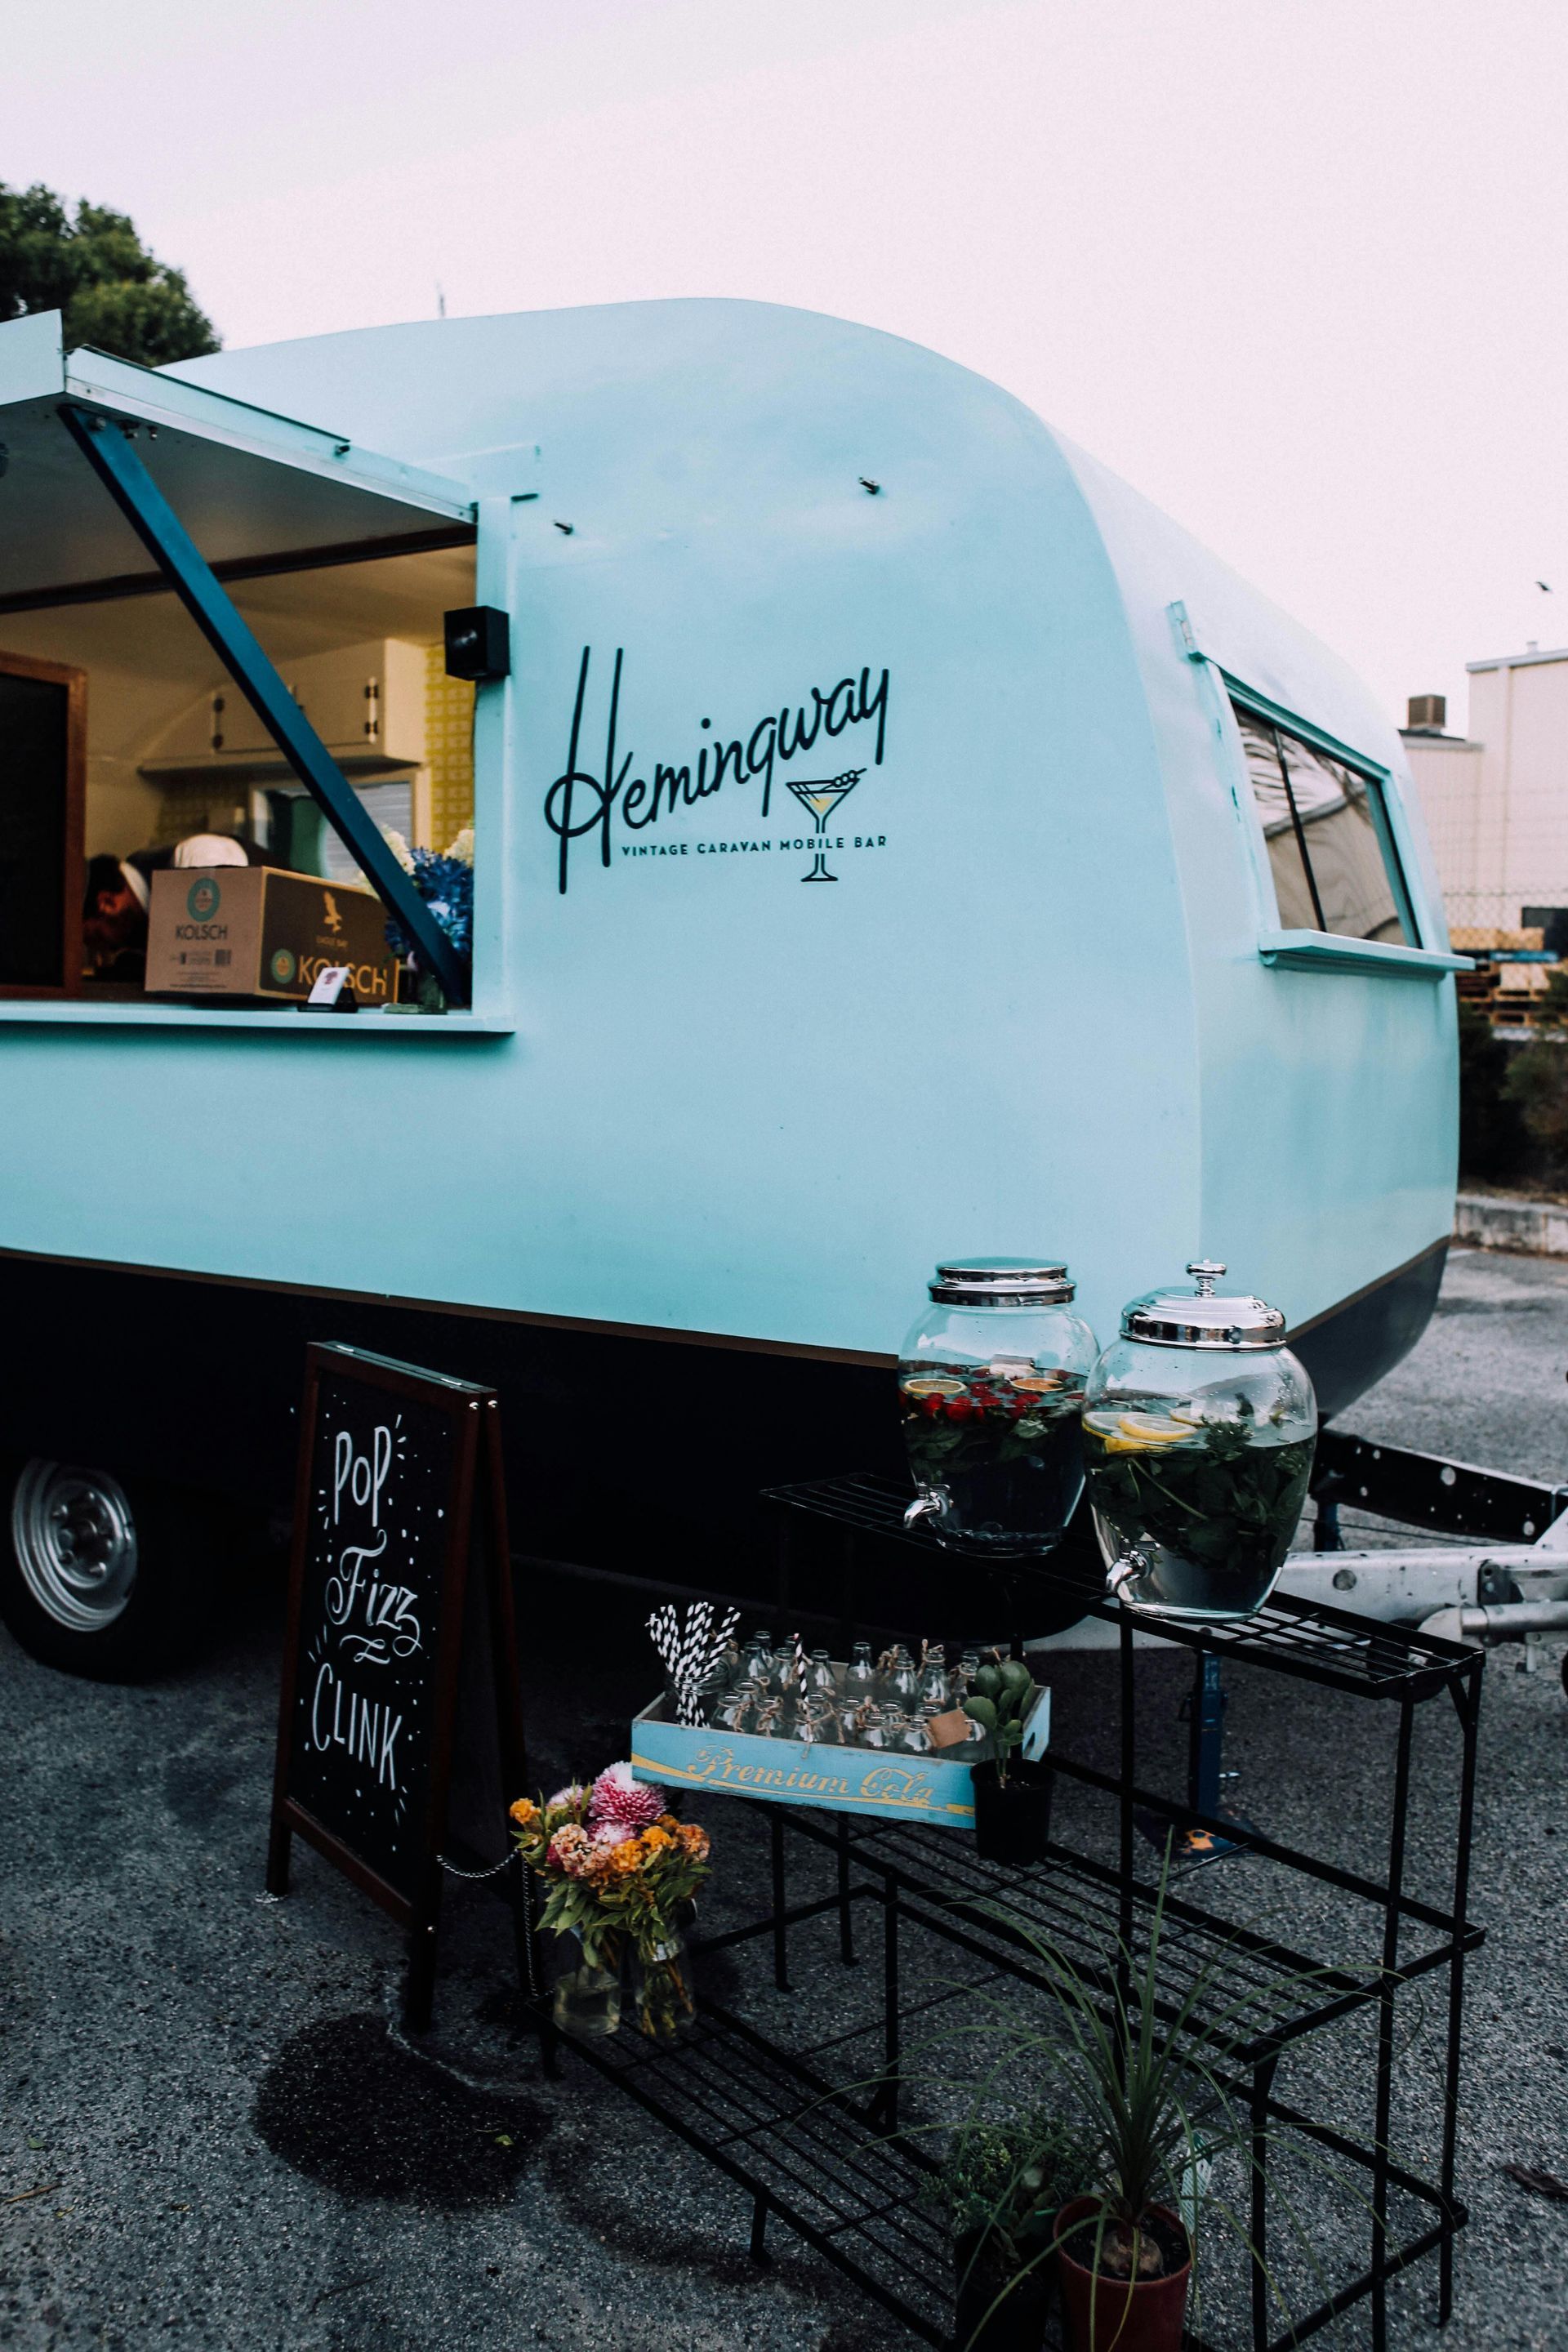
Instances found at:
x=1204 y=1713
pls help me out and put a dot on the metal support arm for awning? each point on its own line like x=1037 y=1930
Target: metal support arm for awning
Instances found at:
x=106 y=444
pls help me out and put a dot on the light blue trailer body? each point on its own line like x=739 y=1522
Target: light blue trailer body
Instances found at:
x=1045 y=1004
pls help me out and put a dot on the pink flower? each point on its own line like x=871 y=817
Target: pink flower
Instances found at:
x=607 y=1837
x=569 y=1850
x=572 y=1794
x=628 y=1803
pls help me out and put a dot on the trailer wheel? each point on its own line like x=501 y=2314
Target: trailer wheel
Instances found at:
x=94 y=1576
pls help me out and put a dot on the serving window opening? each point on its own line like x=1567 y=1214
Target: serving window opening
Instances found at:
x=128 y=753
x=1332 y=852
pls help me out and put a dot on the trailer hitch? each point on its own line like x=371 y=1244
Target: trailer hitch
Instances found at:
x=1506 y=1620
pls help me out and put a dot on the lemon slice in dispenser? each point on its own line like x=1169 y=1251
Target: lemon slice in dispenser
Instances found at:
x=930 y=1385
x=1143 y=1430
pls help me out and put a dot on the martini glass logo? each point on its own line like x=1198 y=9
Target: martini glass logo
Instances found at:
x=822 y=798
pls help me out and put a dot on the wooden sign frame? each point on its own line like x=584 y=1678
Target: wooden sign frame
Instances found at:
x=475 y=1542
x=73 y=862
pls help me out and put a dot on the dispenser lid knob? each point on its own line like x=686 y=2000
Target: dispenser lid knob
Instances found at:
x=1197 y=1318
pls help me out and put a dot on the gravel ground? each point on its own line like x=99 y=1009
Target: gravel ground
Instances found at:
x=212 y=2133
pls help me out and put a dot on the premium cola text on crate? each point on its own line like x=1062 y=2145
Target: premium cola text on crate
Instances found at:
x=930 y=1789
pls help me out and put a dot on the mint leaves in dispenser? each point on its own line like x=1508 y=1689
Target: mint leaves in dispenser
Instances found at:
x=1199 y=1427
x=991 y=1381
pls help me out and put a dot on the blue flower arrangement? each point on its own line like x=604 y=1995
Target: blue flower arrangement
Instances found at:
x=447 y=885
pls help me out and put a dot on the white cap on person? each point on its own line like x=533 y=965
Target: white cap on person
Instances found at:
x=210 y=849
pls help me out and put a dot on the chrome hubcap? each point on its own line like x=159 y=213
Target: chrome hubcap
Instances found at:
x=75 y=1541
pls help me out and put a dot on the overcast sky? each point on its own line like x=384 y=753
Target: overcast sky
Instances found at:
x=1294 y=268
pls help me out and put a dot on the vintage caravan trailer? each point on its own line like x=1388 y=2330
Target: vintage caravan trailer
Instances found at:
x=890 y=835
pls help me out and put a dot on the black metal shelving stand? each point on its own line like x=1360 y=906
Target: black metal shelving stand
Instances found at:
x=812 y=2134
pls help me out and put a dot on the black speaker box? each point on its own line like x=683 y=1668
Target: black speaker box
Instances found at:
x=479 y=643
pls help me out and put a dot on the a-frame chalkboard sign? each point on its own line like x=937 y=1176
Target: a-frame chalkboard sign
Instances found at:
x=399 y=1663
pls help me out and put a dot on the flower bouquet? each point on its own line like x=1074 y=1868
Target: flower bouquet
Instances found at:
x=617 y=1869
x=445 y=880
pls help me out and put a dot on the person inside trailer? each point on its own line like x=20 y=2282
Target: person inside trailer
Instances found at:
x=119 y=896
x=114 y=920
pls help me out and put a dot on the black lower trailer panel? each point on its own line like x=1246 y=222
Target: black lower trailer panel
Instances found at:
x=632 y=1451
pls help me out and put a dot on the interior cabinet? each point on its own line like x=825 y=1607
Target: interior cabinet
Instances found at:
x=366 y=702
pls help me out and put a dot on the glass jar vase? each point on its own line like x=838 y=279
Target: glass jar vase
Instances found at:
x=991 y=1381
x=1199 y=1427
x=585 y=1987
x=661 y=1985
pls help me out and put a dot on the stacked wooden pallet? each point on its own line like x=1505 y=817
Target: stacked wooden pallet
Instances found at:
x=1514 y=970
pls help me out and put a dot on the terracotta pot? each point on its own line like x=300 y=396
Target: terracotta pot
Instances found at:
x=1018 y=2322
x=1012 y=1818
x=1110 y=2314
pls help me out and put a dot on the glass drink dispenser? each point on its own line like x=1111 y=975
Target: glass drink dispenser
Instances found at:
x=1199 y=1427
x=991 y=1381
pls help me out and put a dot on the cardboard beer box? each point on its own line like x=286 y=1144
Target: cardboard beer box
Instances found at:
x=257 y=931
x=934 y=1789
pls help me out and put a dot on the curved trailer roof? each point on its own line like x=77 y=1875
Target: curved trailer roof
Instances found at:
x=1047 y=1004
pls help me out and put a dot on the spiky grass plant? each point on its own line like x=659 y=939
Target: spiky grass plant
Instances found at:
x=1141 y=2098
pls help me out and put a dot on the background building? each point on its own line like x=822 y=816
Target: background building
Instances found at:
x=1496 y=798
x=1496 y=802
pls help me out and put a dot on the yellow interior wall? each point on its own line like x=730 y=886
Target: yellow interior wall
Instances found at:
x=122 y=813
x=448 y=749
x=200 y=804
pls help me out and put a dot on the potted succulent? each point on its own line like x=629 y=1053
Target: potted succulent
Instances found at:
x=1001 y=2186
x=1011 y=1796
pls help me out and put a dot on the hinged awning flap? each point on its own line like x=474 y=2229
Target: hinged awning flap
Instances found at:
x=252 y=489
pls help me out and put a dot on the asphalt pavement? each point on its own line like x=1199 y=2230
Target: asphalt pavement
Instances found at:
x=213 y=2132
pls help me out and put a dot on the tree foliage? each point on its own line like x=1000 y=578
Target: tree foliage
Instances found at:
x=1537 y=1083
x=1494 y=1144
x=95 y=268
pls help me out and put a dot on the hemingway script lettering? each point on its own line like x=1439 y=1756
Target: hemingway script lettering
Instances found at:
x=579 y=802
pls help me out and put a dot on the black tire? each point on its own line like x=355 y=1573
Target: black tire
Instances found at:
x=98 y=1577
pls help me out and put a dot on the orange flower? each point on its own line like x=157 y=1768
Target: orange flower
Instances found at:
x=525 y=1813
x=695 y=1841
x=655 y=1839
x=668 y=1821
x=627 y=1858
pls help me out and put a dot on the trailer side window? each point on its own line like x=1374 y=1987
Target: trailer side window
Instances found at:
x=1330 y=849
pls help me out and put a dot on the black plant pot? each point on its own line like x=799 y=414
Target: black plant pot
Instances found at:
x=1012 y=1818
x=982 y=2271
